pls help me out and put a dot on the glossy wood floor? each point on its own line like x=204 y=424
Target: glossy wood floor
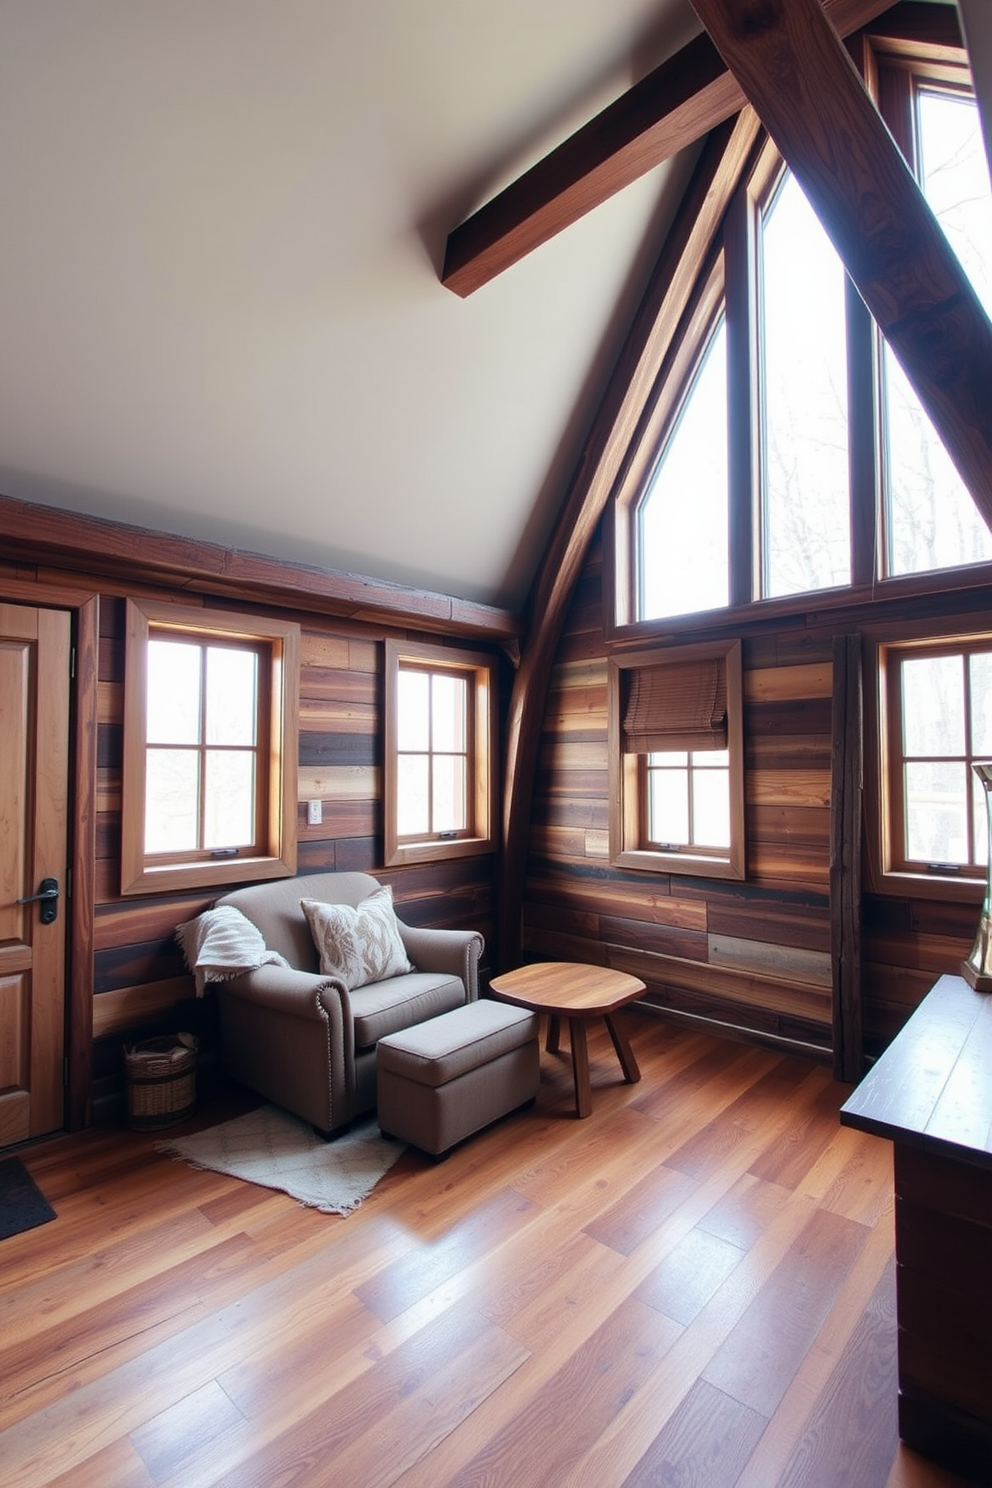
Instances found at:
x=694 y=1286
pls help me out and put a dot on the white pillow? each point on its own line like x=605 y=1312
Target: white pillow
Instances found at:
x=358 y=945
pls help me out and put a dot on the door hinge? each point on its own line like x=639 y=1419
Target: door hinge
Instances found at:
x=72 y=663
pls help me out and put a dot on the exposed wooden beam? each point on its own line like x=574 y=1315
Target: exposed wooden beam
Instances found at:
x=93 y=545
x=676 y=104
x=807 y=92
x=623 y=405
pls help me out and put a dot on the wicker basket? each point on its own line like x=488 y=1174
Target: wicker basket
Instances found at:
x=161 y=1081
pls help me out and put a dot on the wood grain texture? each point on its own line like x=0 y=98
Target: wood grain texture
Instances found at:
x=927 y=1095
x=551 y=1306
x=135 y=554
x=846 y=787
x=807 y=92
x=674 y=105
x=623 y=404
x=127 y=979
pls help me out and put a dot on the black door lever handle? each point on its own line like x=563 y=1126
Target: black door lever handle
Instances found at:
x=48 y=897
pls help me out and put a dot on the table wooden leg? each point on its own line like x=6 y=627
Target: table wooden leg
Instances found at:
x=553 y=1042
x=580 y=1066
x=625 y=1053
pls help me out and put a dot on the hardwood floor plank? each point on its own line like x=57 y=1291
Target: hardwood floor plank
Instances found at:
x=590 y=1387
x=175 y=1437
x=761 y=1355
x=355 y=1418
x=118 y=1464
x=65 y=1349
x=427 y=1264
x=500 y=1318
x=771 y=1103
x=795 y=1151
x=853 y=1179
x=642 y=1209
x=428 y=1415
x=825 y=1364
x=682 y=1284
x=619 y=1450
x=707 y=1440
x=859 y=1402
x=744 y=1212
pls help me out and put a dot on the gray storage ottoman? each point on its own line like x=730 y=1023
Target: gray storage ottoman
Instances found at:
x=440 y=1081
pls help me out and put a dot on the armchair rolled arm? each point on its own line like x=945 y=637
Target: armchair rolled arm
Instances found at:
x=271 y=1044
x=299 y=994
x=456 y=952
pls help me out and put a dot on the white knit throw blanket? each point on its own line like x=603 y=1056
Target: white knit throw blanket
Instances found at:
x=222 y=943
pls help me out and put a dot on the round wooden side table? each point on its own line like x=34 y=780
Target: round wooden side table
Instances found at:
x=569 y=989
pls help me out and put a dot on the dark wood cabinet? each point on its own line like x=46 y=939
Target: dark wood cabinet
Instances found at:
x=930 y=1094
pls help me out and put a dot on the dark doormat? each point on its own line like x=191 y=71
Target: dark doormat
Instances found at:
x=22 y=1203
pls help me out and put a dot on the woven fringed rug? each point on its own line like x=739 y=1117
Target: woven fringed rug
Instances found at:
x=272 y=1148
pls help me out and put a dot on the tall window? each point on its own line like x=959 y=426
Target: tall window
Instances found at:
x=782 y=419
x=931 y=520
x=806 y=525
x=440 y=752
x=683 y=544
x=210 y=748
x=938 y=725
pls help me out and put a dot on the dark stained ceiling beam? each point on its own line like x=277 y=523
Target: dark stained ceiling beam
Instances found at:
x=807 y=92
x=673 y=106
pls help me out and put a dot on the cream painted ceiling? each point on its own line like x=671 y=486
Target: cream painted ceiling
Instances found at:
x=222 y=227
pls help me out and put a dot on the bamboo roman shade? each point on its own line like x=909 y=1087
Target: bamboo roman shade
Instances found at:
x=680 y=705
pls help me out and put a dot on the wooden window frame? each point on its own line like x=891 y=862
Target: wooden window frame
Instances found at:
x=673 y=385
x=887 y=870
x=274 y=854
x=627 y=772
x=897 y=54
x=479 y=671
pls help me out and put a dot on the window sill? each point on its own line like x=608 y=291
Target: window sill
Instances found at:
x=682 y=864
x=207 y=875
x=948 y=887
x=433 y=851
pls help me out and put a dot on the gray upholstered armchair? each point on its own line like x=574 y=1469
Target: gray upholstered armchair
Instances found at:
x=301 y=1037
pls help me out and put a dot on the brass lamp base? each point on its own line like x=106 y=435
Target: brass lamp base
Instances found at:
x=977 y=969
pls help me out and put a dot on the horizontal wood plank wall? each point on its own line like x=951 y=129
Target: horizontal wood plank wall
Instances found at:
x=754 y=955
x=140 y=984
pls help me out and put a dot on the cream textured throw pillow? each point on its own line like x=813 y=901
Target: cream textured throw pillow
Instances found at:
x=358 y=945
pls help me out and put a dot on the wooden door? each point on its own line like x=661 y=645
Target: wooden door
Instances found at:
x=34 y=756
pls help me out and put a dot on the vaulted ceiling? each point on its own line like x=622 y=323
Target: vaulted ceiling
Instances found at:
x=220 y=293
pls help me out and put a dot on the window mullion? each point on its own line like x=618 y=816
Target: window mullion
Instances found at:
x=431 y=828
x=202 y=754
x=742 y=370
x=864 y=424
x=969 y=754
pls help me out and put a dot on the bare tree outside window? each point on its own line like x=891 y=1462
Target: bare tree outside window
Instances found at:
x=932 y=521
x=806 y=541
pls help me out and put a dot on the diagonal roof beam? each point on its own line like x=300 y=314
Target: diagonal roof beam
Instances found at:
x=670 y=108
x=810 y=97
x=624 y=402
